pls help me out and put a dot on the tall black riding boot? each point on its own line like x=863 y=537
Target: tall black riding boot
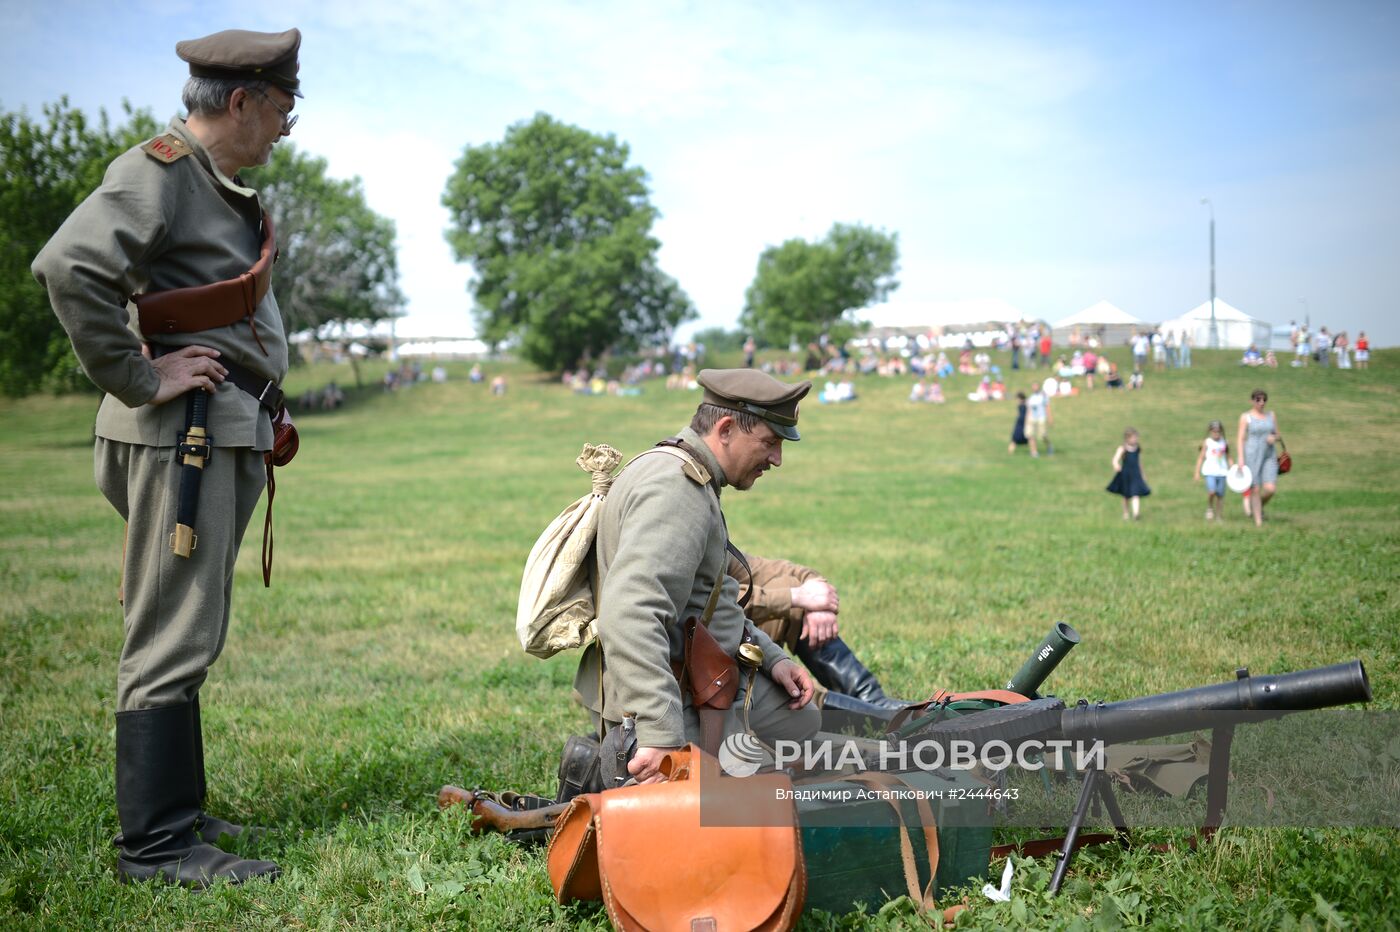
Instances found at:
x=158 y=803
x=207 y=828
x=838 y=669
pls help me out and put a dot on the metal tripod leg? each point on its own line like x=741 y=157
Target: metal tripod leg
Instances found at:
x=1094 y=791
x=1076 y=822
x=1218 y=783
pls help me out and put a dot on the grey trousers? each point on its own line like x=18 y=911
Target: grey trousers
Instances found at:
x=176 y=609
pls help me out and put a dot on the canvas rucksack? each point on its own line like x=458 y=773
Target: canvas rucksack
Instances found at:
x=558 y=606
x=557 y=609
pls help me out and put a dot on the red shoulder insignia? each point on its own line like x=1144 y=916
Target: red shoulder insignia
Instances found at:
x=167 y=148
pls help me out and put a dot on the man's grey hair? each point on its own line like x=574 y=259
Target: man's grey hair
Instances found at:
x=708 y=415
x=210 y=95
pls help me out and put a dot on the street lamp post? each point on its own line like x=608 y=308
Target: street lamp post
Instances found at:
x=1214 y=329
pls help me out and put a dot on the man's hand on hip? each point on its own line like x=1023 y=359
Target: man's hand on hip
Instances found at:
x=186 y=368
x=793 y=680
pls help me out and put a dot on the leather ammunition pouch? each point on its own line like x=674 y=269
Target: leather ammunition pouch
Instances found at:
x=618 y=748
x=711 y=674
x=712 y=678
x=204 y=307
x=579 y=768
x=645 y=853
x=285 y=441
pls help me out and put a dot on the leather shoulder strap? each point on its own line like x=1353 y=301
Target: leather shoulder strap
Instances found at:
x=678 y=448
x=738 y=554
x=922 y=897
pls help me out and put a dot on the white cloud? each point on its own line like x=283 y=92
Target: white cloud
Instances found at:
x=1047 y=155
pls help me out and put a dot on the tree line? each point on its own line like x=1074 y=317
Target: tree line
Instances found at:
x=554 y=219
x=338 y=260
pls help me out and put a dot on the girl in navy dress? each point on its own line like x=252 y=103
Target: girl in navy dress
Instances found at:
x=1127 y=475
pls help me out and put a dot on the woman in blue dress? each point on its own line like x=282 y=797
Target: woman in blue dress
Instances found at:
x=1257 y=435
x=1127 y=475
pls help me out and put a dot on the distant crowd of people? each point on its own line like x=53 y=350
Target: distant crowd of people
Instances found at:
x=583 y=382
x=1327 y=349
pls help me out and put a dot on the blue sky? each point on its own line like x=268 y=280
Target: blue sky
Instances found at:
x=1047 y=154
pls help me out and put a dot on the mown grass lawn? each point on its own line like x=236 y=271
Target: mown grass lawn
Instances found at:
x=383 y=661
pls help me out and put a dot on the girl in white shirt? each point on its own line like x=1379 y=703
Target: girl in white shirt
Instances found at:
x=1213 y=464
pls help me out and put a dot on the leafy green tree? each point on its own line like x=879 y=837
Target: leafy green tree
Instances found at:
x=558 y=228
x=338 y=261
x=802 y=289
x=46 y=169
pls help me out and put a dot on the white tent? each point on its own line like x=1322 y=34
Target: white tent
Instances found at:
x=1110 y=323
x=1236 y=328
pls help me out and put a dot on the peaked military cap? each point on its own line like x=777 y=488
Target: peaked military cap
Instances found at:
x=759 y=394
x=238 y=54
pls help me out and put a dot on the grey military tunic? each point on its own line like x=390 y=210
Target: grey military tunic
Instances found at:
x=157 y=223
x=661 y=551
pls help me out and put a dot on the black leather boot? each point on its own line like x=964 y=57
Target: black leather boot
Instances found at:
x=841 y=712
x=158 y=791
x=838 y=669
x=209 y=829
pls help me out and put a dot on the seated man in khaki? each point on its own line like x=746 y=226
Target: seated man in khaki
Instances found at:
x=796 y=607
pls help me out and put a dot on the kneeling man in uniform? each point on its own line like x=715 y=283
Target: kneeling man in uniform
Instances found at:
x=662 y=556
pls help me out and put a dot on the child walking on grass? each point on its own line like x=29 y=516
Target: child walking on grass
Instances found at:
x=1213 y=464
x=1127 y=475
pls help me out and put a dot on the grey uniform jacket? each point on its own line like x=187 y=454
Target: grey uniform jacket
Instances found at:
x=660 y=552
x=155 y=224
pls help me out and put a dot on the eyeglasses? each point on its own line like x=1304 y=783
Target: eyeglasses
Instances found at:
x=288 y=121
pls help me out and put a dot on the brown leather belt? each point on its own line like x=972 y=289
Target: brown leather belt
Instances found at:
x=204 y=307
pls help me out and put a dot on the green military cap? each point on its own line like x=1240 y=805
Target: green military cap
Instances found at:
x=759 y=394
x=238 y=54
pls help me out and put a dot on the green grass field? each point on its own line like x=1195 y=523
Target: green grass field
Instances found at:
x=383 y=662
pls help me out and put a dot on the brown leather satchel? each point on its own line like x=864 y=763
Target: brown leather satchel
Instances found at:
x=204 y=307
x=644 y=851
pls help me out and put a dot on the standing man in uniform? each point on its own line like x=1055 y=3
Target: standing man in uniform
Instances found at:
x=796 y=607
x=173 y=215
x=661 y=551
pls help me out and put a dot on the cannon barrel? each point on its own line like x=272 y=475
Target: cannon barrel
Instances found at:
x=1174 y=713
x=1043 y=660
